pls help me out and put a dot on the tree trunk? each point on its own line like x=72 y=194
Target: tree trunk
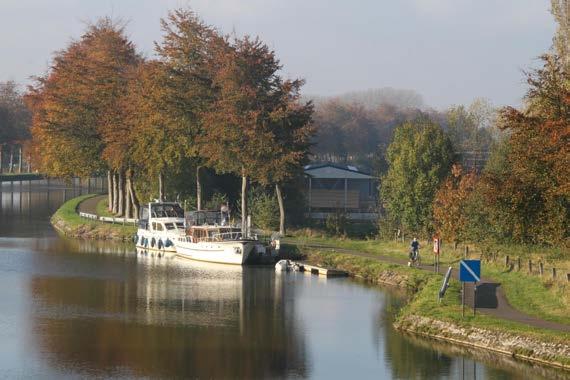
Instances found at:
x=243 y=202
x=121 y=206
x=20 y=160
x=115 y=193
x=1 y=151
x=29 y=163
x=281 y=210
x=128 y=199
x=161 y=186
x=11 y=162
x=109 y=190
x=198 y=189
x=133 y=197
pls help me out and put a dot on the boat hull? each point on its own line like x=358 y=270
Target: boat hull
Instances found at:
x=150 y=240
x=234 y=252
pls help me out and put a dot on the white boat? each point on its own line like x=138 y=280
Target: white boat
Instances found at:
x=210 y=238
x=160 y=225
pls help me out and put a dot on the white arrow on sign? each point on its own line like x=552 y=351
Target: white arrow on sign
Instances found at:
x=470 y=271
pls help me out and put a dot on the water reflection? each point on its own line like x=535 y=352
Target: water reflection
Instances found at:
x=168 y=318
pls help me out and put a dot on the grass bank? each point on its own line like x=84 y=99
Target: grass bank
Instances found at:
x=425 y=315
x=67 y=221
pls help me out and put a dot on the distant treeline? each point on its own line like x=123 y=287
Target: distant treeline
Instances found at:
x=349 y=131
x=15 y=121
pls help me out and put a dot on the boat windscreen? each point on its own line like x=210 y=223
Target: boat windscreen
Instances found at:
x=167 y=211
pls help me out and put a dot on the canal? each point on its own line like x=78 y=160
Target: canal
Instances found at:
x=80 y=309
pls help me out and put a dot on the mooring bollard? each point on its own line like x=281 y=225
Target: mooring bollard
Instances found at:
x=553 y=273
x=541 y=268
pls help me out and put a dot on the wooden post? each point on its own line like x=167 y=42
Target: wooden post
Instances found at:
x=466 y=253
x=463 y=299
x=553 y=273
x=530 y=266
x=568 y=276
x=345 y=194
x=310 y=199
x=541 y=268
x=507 y=260
x=518 y=264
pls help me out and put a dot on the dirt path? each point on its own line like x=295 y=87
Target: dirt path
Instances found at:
x=491 y=299
x=90 y=205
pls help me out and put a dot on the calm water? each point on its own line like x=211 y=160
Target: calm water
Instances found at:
x=76 y=309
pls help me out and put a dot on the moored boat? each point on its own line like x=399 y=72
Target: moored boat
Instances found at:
x=160 y=225
x=210 y=238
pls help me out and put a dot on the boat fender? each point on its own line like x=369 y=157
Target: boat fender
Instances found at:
x=168 y=243
x=159 y=244
x=152 y=242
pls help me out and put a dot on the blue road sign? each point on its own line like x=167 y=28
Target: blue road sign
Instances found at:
x=470 y=270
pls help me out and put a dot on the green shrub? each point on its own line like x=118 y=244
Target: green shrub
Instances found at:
x=264 y=211
x=336 y=223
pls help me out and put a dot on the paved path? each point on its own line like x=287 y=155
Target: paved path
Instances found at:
x=491 y=299
x=90 y=205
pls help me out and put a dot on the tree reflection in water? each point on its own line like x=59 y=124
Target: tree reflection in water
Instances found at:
x=170 y=318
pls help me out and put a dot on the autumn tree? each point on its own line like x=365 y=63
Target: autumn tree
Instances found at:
x=255 y=128
x=76 y=124
x=290 y=122
x=560 y=9
x=172 y=94
x=449 y=209
x=419 y=159
x=533 y=190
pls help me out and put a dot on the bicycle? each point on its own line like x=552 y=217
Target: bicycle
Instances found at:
x=415 y=258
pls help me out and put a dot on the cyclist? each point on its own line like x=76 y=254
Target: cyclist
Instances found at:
x=414 y=250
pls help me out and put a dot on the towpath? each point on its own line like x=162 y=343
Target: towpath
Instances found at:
x=90 y=204
x=491 y=299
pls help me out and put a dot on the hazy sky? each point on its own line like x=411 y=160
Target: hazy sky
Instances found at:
x=450 y=51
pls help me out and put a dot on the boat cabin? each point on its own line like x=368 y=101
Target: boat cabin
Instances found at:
x=161 y=216
x=214 y=233
x=208 y=218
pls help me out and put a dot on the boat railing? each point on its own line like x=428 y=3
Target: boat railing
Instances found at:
x=218 y=237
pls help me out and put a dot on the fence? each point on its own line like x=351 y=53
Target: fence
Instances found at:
x=106 y=219
x=533 y=268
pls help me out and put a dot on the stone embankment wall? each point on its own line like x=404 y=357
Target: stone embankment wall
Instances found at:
x=526 y=348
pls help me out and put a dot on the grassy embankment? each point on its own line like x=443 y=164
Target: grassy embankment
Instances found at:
x=67 y=221
x=425 y=304
x=535 y=295
x=102 y=209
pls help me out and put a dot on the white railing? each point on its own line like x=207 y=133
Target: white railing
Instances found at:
x=226 y=236
x=106 y=219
